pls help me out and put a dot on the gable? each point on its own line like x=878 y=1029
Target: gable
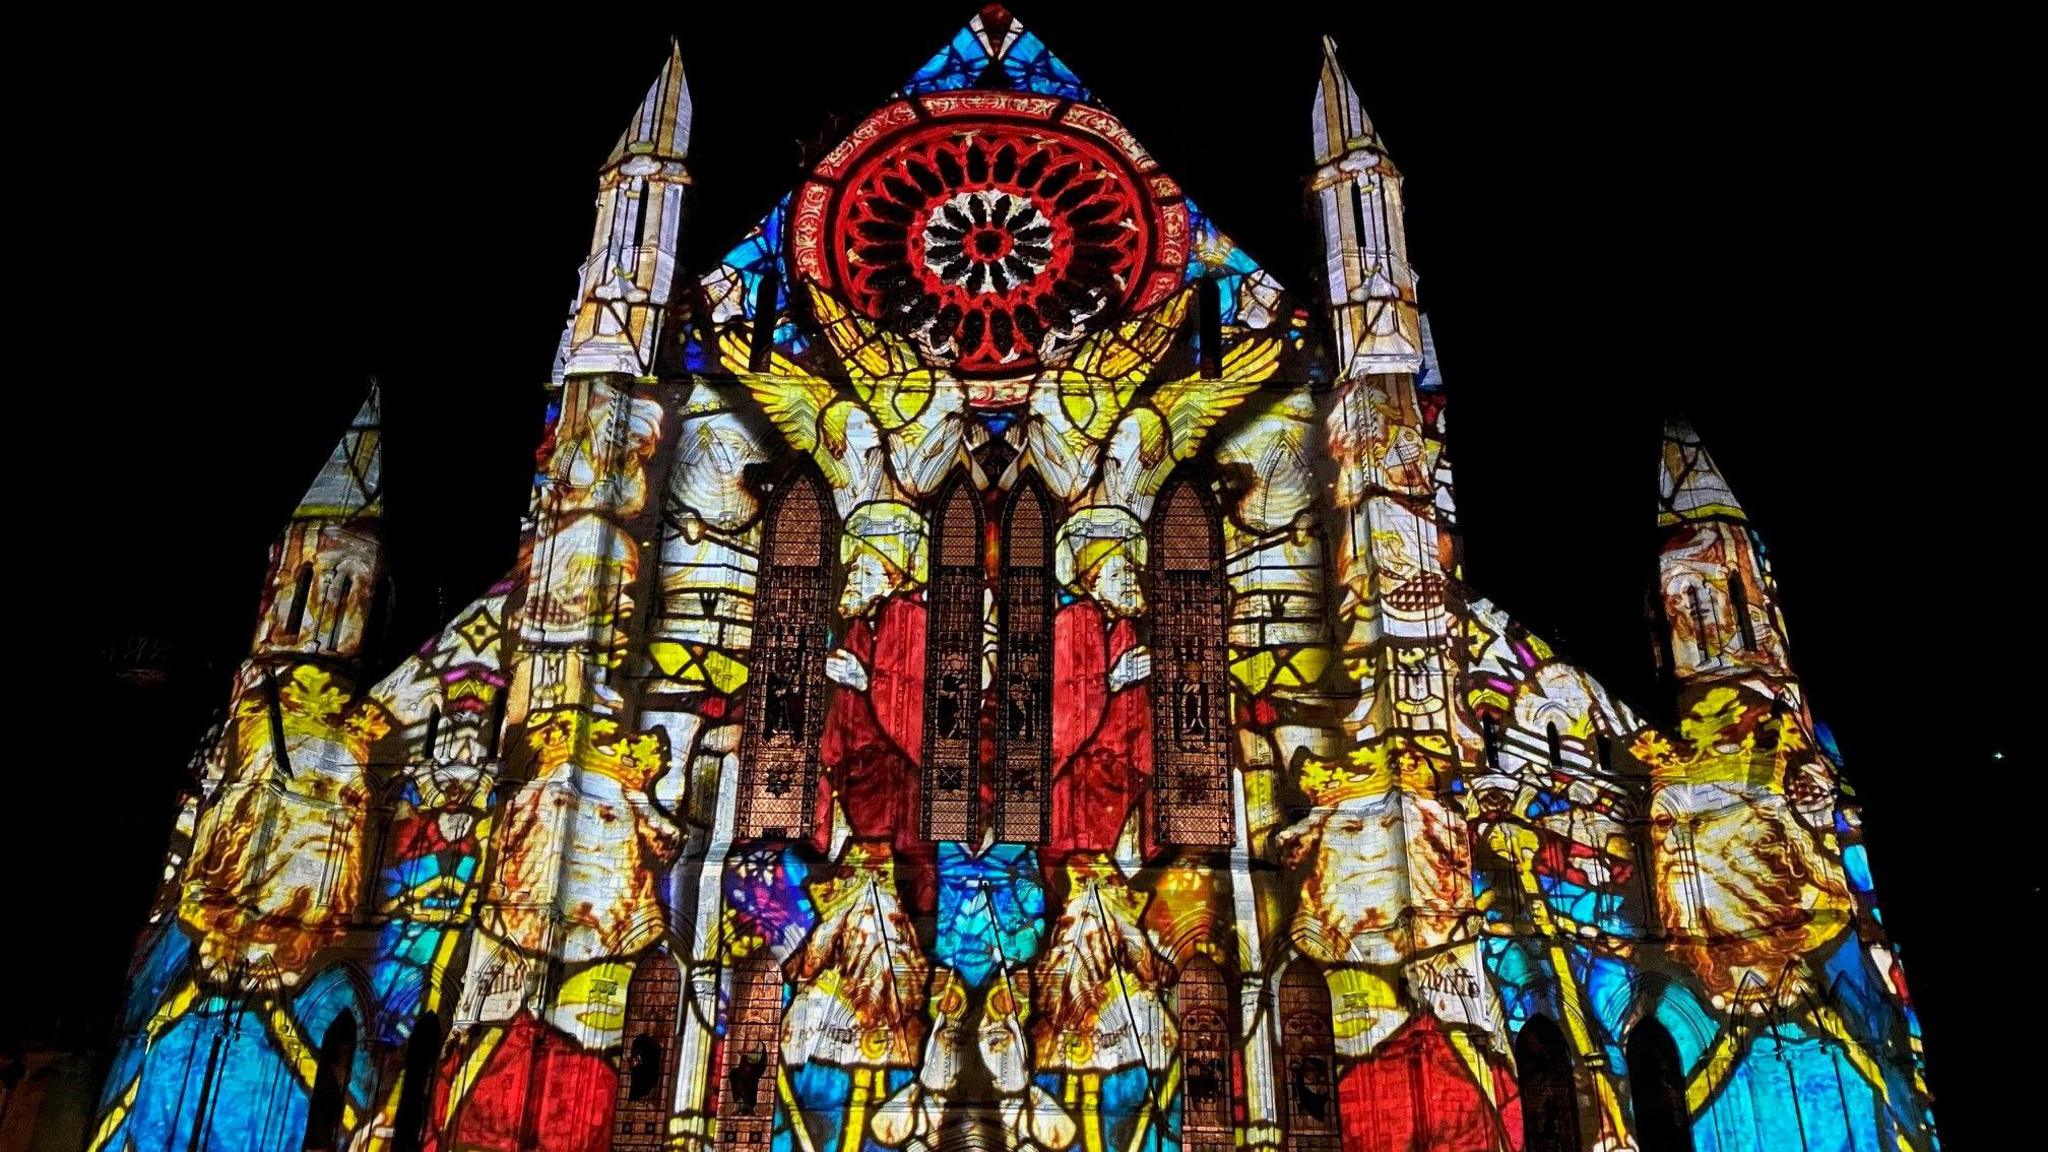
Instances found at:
x=993 y=217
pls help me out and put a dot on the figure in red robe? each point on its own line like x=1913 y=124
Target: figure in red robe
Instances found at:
x=873 y=738
x=1101 y=699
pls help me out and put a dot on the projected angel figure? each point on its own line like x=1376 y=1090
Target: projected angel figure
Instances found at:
x=854 y=1029
x=883 y=443
x=1105 y=454
x=1101 y=1029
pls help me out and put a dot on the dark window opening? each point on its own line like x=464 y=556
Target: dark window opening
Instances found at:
x=324 y=1131
x=785 y=715
x=295 y=620
x=1358 y=223
x=1209 y=307
x=1556 y=743
x=1308 y=1061
x=764 y=323
x=422 y=1055
x=1701 y=622
x=653 y=1009
x=952 y=719
x=1191 y=698
x=1543 y=1067
x=1738 y=602
x=1024 y=663
x=348 y=584
x=746 y=1087
x=1656 y=1085
x=1204 y=1002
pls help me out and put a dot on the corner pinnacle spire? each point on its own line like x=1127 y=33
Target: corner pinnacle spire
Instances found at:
x=350 y=486
x=1341 y=124
x=661 y=127
x=1689 y=486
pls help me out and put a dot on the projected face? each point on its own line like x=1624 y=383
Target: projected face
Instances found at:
x=1364 y=861
x=1118 y=586
x=1747 y=893
x=281 y=866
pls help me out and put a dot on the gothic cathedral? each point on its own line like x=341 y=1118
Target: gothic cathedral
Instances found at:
x=988 y=668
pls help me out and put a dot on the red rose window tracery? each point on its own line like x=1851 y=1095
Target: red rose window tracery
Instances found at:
x=992 y=241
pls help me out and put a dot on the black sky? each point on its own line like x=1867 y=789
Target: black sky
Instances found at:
x=1793 y=231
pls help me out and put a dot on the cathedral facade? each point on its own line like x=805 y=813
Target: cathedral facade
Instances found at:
x=988 y=667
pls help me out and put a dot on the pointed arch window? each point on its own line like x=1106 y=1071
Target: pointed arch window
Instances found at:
x=1191 y=724
x=653 y=1006
x=1702 y=621
x=1656 y=1088
x=1024 y=666
x=952 y=717
x=334 y=629
x=302 y=587
x=1543 y=1067
x=1205 y=1004
x=747 y=1064
x=1308 y=1071
x=1489 y=736
x=1738 y=603
x=325 y=1111
x=422 y=1055
x=786 y=711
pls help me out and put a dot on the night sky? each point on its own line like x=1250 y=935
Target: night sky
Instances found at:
x=1792 y=233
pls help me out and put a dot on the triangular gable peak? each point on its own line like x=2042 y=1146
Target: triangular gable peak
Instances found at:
x=990 y=221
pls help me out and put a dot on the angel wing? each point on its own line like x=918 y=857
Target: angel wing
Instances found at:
x=1135 y=345
x=868 y=349
x=882 y=366
x=1096 y=389
x=808 y=411
x=1192 y=406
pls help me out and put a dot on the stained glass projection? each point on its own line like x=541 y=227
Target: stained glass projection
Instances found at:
x=952 y=716
x=1191 y=703
x=1024 y=735
x=750 y=1054
x=1205 y=1004
x=785 y=715
x=1060 y=634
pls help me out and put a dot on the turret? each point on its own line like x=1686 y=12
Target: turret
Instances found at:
x=325 y=569
x=1721 y=620
x=1397 y=552
x=1365 y=247
x=623 y=288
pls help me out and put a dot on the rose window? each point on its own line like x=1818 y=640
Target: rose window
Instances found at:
x=993 y=243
